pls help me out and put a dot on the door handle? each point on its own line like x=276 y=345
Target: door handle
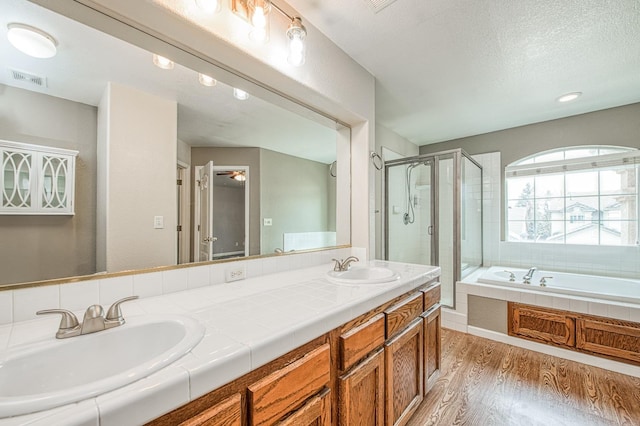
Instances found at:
x=430 y=230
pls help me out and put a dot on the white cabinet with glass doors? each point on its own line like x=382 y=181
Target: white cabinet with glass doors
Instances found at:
x=36 y=180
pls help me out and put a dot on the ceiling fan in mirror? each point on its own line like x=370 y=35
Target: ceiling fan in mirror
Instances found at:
x=238 y=175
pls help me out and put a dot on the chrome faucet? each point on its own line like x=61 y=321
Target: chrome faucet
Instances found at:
x=344 y=265
x=94 y=319
x=527 y=278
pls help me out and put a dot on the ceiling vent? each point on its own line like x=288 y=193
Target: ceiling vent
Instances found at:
x=378 y=5
x=28 y=79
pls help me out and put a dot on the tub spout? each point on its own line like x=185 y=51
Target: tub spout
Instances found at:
x=527 y=278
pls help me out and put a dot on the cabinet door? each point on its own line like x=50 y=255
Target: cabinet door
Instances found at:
x=618 y=339
x=225 y=413
x=404 y=373
x=541 y=324
x=279 y=393
x=361 y=395
x=431 y=323
x=18 y=185
x=315 y=412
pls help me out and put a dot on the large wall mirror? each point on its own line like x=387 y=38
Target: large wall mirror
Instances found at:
x=172 y=167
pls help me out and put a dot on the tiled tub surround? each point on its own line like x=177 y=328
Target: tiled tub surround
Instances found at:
x=533 y=294
x=248 y=323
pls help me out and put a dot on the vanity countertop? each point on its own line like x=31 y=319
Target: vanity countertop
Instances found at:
x=248 y=323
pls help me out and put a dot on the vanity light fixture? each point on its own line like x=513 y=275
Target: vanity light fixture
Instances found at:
x=162 y=62
x=32 y=41
x=296 y=34
x=205 y=80
x=569 y=97
x=240 y=177
x=209 y=7
x=240 y=94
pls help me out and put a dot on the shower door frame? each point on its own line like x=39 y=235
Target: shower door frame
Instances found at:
x=433 y=159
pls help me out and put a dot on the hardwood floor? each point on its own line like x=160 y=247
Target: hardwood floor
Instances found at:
x=490 y=383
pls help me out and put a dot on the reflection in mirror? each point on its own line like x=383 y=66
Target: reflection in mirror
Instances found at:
x=253 y=177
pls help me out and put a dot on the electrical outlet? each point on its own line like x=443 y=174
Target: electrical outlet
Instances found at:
x=235 y=274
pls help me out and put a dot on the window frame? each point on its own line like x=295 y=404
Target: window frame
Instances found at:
x=527 y=167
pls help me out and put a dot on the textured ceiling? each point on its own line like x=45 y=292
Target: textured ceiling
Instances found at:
x=452 y=68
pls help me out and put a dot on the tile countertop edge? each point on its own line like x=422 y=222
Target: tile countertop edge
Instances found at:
x=412 y=276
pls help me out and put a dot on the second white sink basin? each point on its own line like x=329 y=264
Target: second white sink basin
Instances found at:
x=363 y=275
x=56 y=372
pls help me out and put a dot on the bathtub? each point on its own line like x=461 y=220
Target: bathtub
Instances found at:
x=597 y=287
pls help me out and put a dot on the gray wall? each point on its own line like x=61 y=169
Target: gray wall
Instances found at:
x=236 y=157
x=43 y=247
x=616 y=126
x=295 y=194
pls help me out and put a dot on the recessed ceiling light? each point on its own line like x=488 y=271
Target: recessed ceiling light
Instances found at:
x=240 y=94
x=209 y=6
x=569 y=97
x=162 y=62
x=205 y=80
x=31 y=41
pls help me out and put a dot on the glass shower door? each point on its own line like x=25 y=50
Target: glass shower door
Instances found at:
x=409 y=218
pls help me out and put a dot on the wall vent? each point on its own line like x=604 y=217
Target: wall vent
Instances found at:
x=378 y=5
x=27 y=78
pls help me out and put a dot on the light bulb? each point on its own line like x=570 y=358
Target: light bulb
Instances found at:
x=258 y=19
x=205 y=80
x=208 y=6
x=569 y=97
x=162 y=62
x=296 y=34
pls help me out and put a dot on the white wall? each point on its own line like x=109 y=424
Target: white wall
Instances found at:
x=135 y=186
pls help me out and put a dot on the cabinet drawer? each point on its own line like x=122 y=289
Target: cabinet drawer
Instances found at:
x=282 y=391
x=315 y=412
x=360 y=340
x=431 y=296
x=401 y=314
x=225 y=413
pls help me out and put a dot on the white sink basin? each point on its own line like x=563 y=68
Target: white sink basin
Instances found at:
x=48 y=374
x=363 y=275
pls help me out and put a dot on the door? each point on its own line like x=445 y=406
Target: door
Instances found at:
x=409 y=211
x=361 y=398
x=206 y=237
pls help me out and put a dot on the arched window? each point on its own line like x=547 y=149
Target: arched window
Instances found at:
x=578 y=195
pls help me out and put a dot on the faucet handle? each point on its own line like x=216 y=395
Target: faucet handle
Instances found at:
x=543 y=281
x=69 y=325
x=338 y=265
x=114 y=313
x=68 y=320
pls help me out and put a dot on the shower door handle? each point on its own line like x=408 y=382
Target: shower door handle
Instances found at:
x=430 y=230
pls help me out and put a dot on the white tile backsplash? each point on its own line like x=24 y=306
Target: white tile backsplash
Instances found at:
x=116 y=288
x=79 y=296
x=175 y=280
x=21 y=304
x=27 y=301
x=6 y=307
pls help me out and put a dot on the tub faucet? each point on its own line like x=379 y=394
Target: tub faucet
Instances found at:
x=529 y=275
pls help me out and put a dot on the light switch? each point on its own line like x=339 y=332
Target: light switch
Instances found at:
x=268 y=221
x=158 y=222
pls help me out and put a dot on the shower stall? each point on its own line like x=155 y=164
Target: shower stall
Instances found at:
x=433 y=214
